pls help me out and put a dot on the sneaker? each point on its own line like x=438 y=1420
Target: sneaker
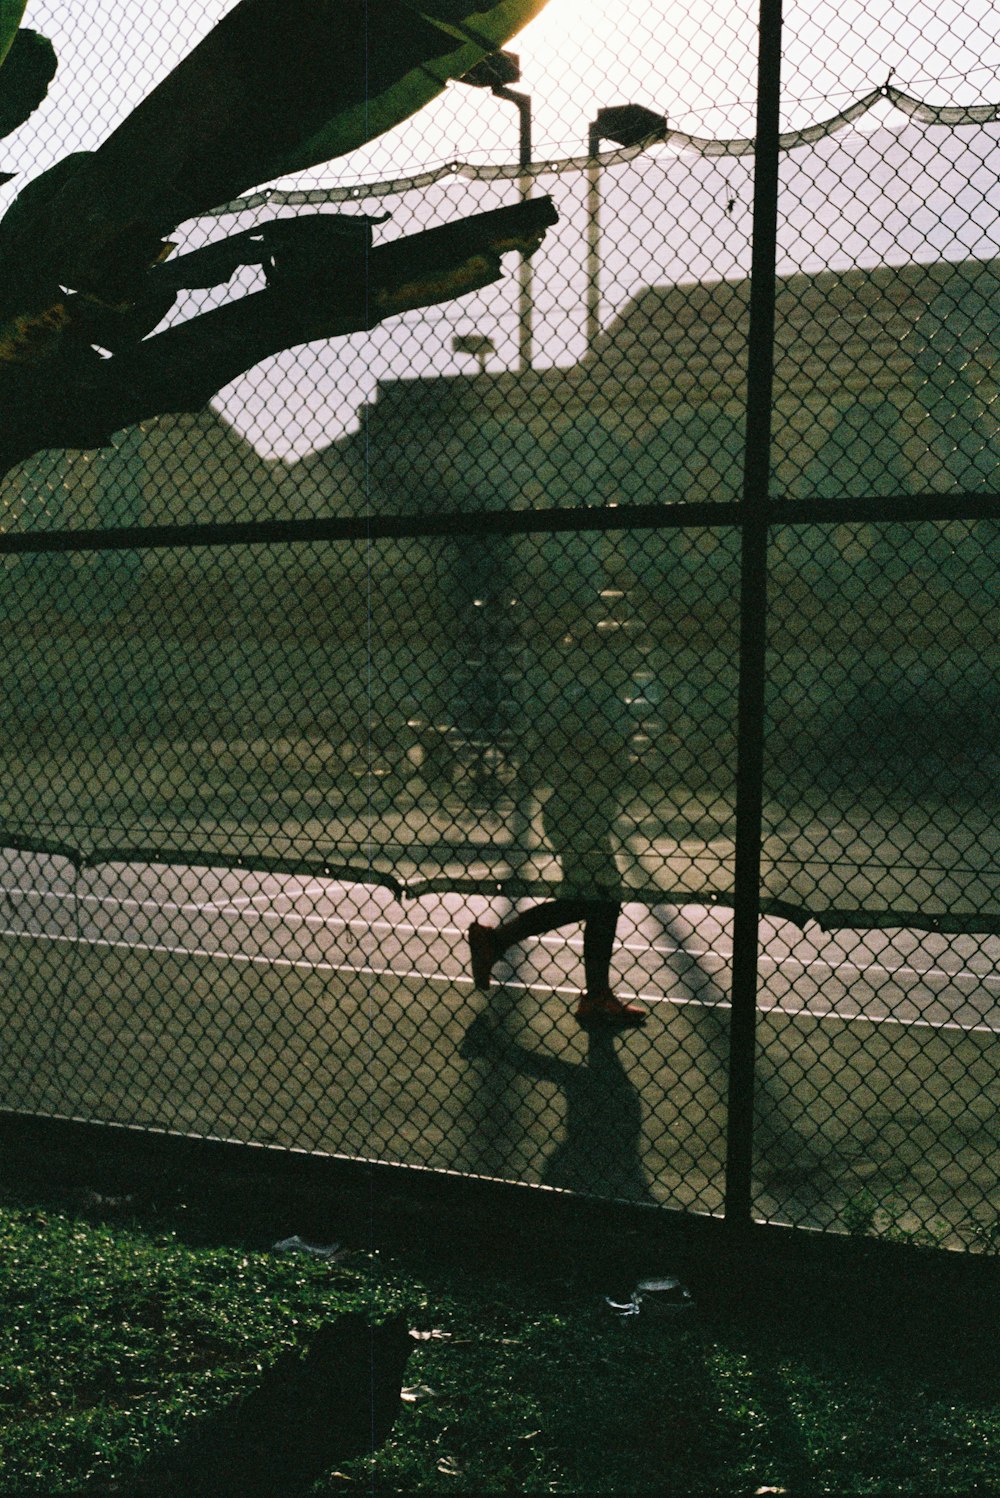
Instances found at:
x=604 y=1011
x=483 y=954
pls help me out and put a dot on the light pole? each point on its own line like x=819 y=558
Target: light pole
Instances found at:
x=625 y=125
x=474 y=344
x=496 y=73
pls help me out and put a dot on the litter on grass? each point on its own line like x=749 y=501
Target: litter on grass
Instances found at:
x=656 y=1297
x=417 y=1393
x=297 y=1245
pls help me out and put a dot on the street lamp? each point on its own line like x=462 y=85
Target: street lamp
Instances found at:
x=476 y=345
x=496 y=73
x=625 y=125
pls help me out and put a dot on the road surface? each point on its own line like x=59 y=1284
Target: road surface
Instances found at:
x=321 y=1015
x=665 y=954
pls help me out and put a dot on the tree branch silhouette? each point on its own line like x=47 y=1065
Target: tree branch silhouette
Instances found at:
x=277 y=87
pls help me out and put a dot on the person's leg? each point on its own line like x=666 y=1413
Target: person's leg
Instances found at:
x=599 y=943
x=538 y=919
x=599 y=1007
x=487 y=944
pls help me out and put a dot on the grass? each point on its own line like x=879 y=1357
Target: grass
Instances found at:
x=120 y=1330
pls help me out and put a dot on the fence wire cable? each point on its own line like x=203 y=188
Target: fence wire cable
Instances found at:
x=952 y=115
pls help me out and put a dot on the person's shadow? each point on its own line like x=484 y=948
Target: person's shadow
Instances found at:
x=600 y=1152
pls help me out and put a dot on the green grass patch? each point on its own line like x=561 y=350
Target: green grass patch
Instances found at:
x=119 y=1336
x=114 y=1339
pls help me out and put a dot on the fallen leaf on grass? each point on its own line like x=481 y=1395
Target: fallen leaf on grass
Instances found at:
x=439 y=1336
x=333 y=1252
x=418 y=1392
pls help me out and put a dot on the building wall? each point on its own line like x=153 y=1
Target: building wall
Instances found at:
x=885 y=382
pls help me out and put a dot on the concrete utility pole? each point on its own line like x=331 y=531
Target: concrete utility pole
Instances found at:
x=496 y=73
x=625 y=125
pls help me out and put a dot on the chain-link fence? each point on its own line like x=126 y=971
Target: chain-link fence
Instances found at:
x=553 y=735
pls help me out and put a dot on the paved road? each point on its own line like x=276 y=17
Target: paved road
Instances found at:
x=682 y=956
x=315 y=1014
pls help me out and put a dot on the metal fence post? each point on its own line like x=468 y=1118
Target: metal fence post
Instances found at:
x=753 y=602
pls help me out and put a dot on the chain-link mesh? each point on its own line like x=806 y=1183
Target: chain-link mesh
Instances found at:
x=371 y=739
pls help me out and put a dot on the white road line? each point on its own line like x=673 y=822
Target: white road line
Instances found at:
x=723 y=958
x=333 y=923
x=300 y=965
x=126 y=902
x=236 y=902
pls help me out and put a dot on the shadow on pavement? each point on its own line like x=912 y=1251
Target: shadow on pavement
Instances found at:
x=599 y=1149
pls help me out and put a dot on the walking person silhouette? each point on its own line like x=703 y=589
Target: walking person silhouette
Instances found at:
x=578 y=749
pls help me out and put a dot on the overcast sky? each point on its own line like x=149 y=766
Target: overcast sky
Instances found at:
x=669 y=219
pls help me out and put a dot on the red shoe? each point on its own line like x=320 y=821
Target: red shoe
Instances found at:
x=604 y=1011
x=482 y=951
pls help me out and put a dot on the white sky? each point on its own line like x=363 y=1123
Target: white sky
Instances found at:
x=694 y=62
